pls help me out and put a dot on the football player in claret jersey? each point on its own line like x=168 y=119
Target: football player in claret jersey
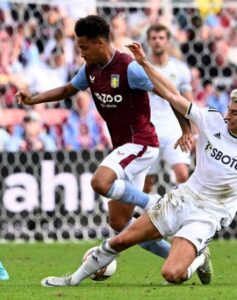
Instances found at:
x=119 y=88
x=162 y=115
x=196 y=209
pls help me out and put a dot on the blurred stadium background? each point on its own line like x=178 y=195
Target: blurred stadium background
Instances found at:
x=45 y=192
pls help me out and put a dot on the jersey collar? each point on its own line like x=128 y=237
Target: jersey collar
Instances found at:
x=112 y=57
x=234 y=136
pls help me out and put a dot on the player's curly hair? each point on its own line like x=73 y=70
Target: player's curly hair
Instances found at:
x=92 y=27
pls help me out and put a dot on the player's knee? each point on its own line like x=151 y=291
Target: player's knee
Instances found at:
x=171 y=275
x=100 y=186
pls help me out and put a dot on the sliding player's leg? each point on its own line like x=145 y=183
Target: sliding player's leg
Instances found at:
x=140 y=230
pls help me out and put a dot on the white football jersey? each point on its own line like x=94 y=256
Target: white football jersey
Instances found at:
x=214 y=181
x=162 y=115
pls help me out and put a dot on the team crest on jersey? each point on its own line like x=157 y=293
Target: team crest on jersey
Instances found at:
x=114 y=81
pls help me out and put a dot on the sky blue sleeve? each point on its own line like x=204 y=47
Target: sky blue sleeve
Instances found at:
x=79 y=81
x=137 y=77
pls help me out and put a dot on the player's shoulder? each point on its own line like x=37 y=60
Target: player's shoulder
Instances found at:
x=211 y=109
x=206 y=117
x=209 y=112
x=214 y=117
x=122 y=57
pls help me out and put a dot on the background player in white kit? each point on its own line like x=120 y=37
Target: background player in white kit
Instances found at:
x=193 y=212
x=162 y=115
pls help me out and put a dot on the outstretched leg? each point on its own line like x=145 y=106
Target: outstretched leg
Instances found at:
x=140 y=230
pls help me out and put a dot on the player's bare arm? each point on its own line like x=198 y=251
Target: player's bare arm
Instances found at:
x=60 y=93
x=163 y=86
x=186 y=140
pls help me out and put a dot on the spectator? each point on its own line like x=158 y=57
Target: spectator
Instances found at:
x=59 y=40
x=34 y=137
x=103 y=138
x=27 y=40
x=37 y=75
x=75 y=11
x=197 y=87
x=9 y=80
x=4 y=135
x=85 y=140
x=120 y=34
x=218 y=98
x=4 y=138
x=81 y=128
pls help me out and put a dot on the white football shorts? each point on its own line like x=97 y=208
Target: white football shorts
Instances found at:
x=175 y=216
x=131 y=162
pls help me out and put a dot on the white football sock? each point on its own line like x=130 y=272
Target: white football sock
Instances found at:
x=102 y=256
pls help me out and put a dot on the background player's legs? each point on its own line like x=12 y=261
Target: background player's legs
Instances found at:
x=179 y=161
x=152 y=176
x=150 y=182
x=176 y=159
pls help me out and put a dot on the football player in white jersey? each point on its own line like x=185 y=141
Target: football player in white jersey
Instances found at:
x=195 y=210
x=162 y=115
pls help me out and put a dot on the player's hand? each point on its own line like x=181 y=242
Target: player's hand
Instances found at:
x=23 y=97
x=185 y=142
x=138 y=53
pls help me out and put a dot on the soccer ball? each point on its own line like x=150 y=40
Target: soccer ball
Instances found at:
x=104 y=273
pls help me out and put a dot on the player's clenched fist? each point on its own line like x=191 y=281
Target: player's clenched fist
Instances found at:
x=138 y=52
x=23 y=97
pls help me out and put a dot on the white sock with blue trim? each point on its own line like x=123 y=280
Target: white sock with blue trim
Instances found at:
x=102 y=256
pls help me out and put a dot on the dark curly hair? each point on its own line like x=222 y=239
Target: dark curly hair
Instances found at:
x=92 y=27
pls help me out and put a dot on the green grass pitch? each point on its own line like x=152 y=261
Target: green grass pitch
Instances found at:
x=137 y=277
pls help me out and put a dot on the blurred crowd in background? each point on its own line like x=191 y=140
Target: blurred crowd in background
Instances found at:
x=37 y=53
